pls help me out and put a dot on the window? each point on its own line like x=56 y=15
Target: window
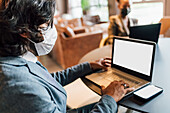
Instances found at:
x=96 y=7
x=147 y=11
x=75 y=8
x=99 y=7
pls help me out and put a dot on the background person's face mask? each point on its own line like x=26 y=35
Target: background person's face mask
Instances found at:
x=44 y=47
x=125 y=11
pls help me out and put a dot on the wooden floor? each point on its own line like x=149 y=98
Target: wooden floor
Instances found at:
x=51 y=65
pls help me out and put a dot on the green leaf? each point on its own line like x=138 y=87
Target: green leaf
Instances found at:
x=85 y=4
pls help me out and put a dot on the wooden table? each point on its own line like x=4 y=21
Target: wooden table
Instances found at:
x=161 y=78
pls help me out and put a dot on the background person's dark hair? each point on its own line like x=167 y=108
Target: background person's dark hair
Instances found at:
x=23 y=16
x=118 y=1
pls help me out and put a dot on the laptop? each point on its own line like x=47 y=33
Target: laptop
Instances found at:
x=132 y=61
x=145 y=32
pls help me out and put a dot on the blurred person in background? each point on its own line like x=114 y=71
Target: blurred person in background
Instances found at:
x=120 y=24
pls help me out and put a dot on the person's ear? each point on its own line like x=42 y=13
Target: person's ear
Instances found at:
x=24 y=35
x=4 y=4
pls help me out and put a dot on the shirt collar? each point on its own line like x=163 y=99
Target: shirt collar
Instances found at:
x=29 y=57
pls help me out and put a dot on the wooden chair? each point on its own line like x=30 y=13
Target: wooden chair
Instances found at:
x=165 y=25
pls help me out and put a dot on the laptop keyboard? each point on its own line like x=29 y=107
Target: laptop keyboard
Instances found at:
x=116 y=76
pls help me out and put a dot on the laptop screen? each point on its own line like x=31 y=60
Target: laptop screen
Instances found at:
x=133 y=55
x=145 y=32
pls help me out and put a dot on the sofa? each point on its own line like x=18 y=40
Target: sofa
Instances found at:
x=69 y=50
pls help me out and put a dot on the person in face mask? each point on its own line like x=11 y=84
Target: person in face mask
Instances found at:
x=119 y=24
x=26 y=86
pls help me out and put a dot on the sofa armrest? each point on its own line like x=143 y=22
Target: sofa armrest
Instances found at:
x=78 y=30
x=89 y=34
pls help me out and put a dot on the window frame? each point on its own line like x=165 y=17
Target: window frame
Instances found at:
x=146 y=1
x=153 y=1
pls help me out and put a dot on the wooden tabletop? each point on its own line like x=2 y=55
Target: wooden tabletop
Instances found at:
x=161 y=78
x=97 y=54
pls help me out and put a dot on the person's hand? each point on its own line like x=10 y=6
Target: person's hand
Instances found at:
x=116 y=89
x=102 y=63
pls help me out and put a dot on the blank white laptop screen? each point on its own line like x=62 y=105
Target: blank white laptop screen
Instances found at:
x=132 y=55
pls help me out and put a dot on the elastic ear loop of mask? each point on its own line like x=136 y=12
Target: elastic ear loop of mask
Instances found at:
x=31 y=41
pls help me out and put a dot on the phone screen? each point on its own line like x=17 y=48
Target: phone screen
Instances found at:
x=148 y=91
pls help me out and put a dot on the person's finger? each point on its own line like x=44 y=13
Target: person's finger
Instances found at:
x=103 y=67
x=106 y=62
x=100 y=60
x=129 y=89
x=121 y=82
x=115 y=81
x=107 y=65
x=107 y=58
x=127 y=85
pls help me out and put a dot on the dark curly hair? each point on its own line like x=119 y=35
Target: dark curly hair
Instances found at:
x=23 y=16
x=118 y=1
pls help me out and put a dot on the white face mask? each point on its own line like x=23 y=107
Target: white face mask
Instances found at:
x=44 y=47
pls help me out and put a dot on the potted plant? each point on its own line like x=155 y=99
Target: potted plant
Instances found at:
x=85 y=4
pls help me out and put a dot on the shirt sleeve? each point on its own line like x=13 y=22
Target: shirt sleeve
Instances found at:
x=70 y=74
x=106 y=105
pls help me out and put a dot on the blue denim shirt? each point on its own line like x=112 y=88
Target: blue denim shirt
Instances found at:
x=27 y=87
